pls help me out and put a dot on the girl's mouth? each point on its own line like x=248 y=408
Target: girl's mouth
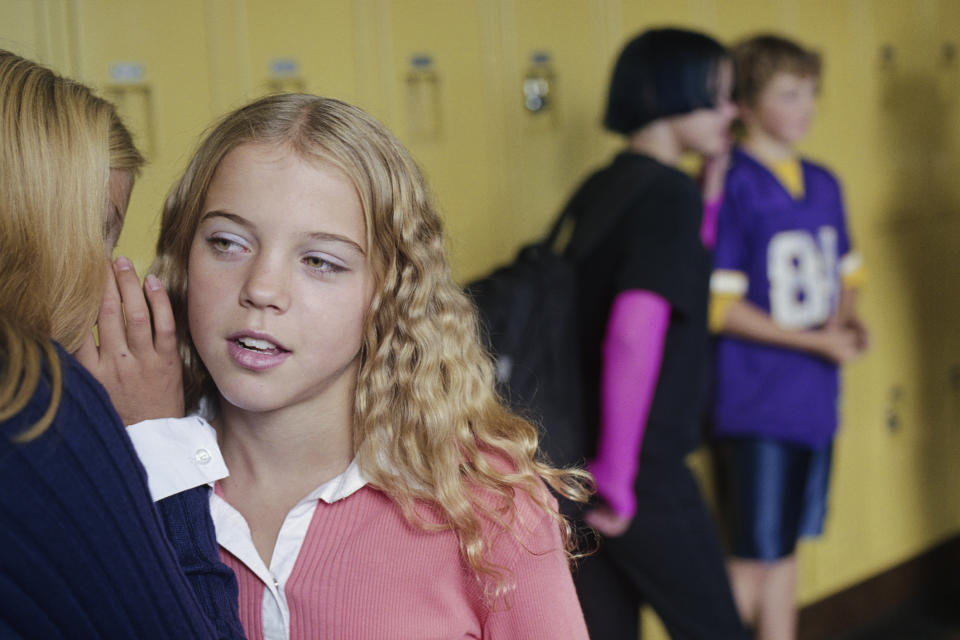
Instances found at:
x=256 y=353
x=258 y=345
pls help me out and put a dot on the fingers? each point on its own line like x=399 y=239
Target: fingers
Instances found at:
x=143 y=376
x=139 y=335
x=110 y=323
x=129 y=314
x=164 y=326
x=847 y=348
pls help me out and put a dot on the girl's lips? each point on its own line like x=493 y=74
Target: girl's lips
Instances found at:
x=255 y=360
x=256 y=337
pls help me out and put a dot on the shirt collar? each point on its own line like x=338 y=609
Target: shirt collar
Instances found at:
x=341 y=486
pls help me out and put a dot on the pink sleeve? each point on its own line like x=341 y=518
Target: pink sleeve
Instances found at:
x=708 y=224
x=544 y=603
x=632 y=353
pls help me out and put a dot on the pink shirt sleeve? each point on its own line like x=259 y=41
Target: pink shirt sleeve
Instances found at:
x=632 y=354
x=543 y=605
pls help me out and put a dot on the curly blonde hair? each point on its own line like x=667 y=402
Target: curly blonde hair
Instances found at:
x=58 y=144
x=428 y=426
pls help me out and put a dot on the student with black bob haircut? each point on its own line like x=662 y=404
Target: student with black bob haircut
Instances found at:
x=643 y=300
x=661 y=73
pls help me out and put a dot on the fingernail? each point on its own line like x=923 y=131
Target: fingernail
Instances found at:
x=153 y=282
x=123 y=263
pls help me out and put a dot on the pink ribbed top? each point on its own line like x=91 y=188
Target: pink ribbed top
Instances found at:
x=364 y=572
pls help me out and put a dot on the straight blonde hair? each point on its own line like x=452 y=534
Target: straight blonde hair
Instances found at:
x=58 y=144
x=428 y=427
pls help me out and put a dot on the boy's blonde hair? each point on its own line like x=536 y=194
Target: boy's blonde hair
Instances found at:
x=428 y=427
x=58 y=144
x=758 y=59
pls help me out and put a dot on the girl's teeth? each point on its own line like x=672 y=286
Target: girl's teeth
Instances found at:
x=254 y=343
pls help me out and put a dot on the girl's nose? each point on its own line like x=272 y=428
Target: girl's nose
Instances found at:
x=266 y=286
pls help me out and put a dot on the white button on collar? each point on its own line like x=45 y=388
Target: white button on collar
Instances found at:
x=202 y=456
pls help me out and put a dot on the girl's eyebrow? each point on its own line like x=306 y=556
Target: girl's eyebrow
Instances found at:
x=315 y=235
x=232 y=217
x=323 y=235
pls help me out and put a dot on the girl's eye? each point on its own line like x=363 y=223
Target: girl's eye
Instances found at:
x=225 y=244
x=320 y=263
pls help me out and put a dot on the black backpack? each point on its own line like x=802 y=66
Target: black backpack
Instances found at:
x=528 y=313
x=528 y=316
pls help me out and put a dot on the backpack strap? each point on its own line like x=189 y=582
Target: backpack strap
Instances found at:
x=594 y=220
x=565 y=218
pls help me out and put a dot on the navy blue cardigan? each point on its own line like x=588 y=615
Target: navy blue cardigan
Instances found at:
x=83 y=549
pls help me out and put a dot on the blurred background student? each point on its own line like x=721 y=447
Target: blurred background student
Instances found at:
x=784 y=292
x=643 y=296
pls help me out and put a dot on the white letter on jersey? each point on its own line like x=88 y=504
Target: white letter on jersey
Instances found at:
x=802 y=277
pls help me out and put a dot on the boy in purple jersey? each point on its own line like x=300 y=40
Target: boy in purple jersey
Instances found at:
x=783 y=295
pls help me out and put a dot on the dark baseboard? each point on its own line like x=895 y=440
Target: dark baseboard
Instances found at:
x=930 y=578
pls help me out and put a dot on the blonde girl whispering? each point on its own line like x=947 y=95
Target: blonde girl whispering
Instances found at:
x=378 y=487
x=84 y=552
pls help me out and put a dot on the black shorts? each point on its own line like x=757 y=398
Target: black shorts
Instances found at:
x=774 y=494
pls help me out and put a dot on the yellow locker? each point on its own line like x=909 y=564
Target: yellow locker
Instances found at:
x=908 y=470
x=551 y=141
x=258 y=47
x=151 y=59
x=700 y=15
x=303 y=46
x=39 y=30
x=439 y=95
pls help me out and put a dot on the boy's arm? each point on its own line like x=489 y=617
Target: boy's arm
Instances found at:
x=743 y=319
x=848 y=318
x=847 y=306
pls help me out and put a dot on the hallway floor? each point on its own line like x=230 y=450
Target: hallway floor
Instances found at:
x=914 y=622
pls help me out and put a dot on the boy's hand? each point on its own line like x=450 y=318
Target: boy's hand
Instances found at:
x=137 y=364
x=837 y=343
x=863 y=336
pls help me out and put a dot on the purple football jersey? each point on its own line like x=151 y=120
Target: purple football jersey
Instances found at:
x=787 y=252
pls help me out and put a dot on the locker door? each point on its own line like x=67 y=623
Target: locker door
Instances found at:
x=303 y=46
x=908 y=294
x=947 y=71
x=151 y=59
x=552 y=141
x=38 y=30
x=700 y=15
x=440 y=65
x=259 y=47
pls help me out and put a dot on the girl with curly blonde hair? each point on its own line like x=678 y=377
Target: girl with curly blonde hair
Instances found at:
x=378 y=486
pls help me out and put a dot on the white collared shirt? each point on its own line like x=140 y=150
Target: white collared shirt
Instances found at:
x=178 y=454
x=175 y=454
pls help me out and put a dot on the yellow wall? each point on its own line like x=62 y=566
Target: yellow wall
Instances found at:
x=889 y=125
